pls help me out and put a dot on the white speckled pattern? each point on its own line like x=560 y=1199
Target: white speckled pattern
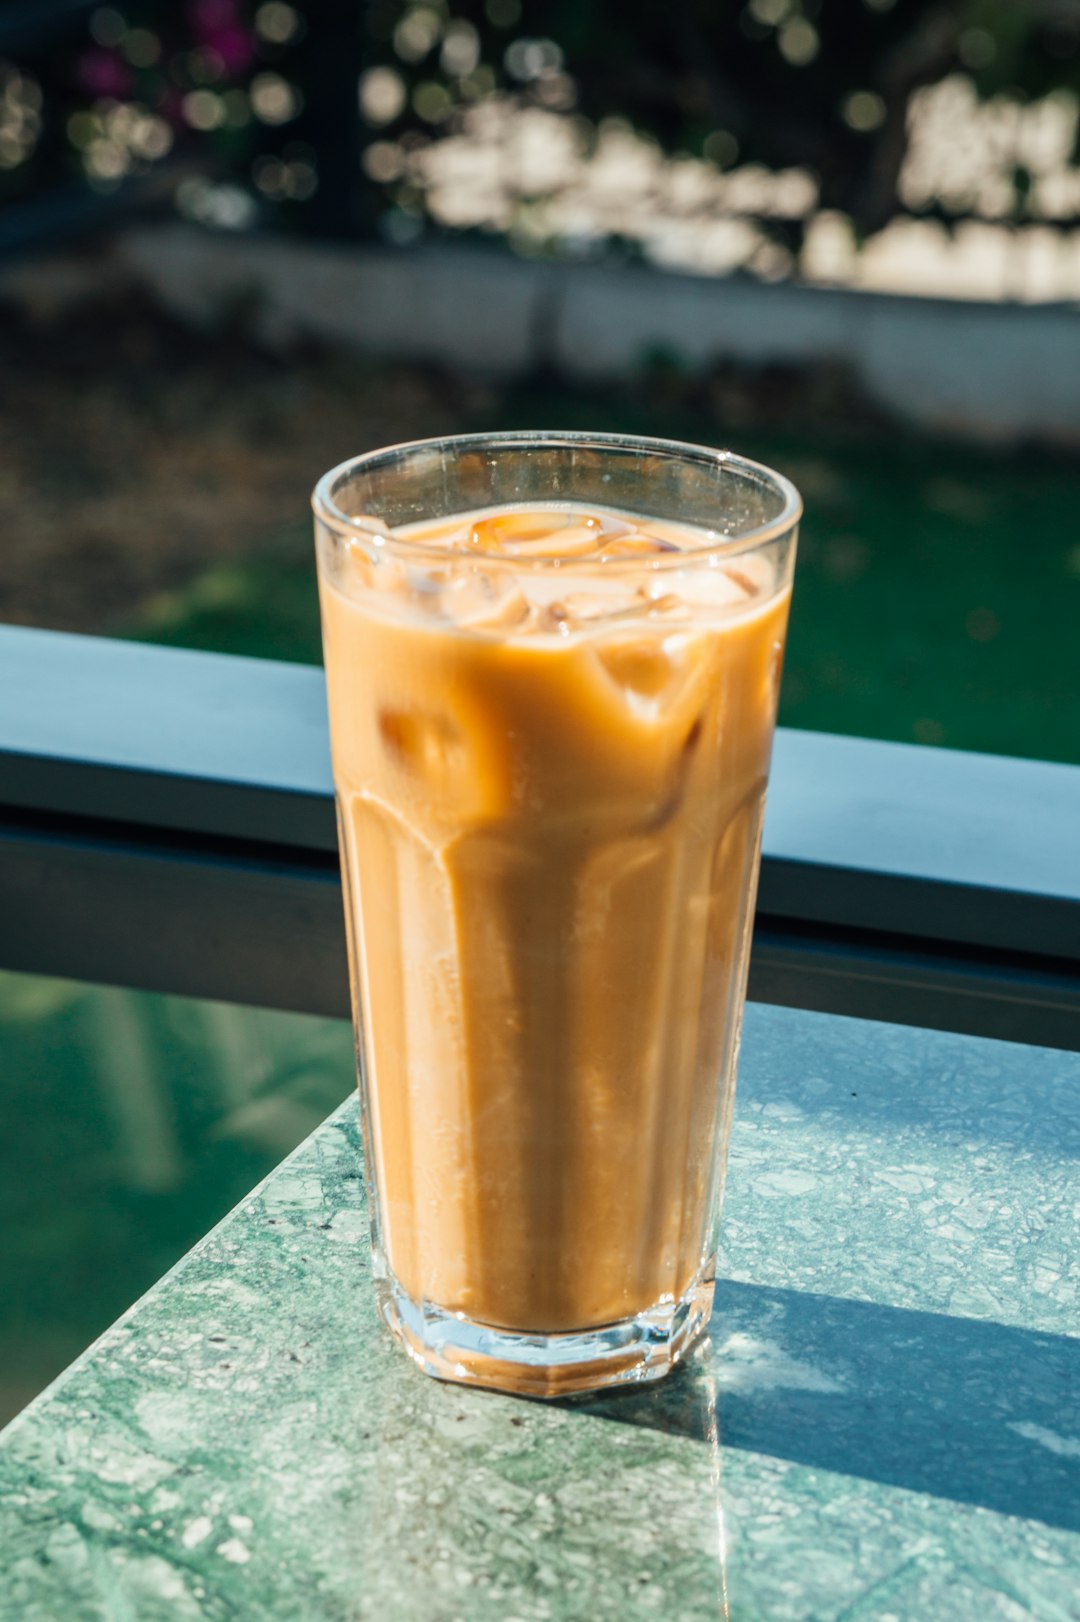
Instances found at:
x=884 y=1424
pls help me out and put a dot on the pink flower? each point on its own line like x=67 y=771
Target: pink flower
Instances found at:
x=102 y=73
x=208 y=16
x=235 y=47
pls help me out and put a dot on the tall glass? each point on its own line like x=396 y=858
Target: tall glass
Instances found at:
x=550 y=753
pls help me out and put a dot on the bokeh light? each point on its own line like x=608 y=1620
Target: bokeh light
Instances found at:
x=460 y=52
x=863 y=110
x=205 y=65
x=150 y=137
x=273 y=99
x=432 y=102
x=203 y=110
x=770 y=12
x=529 y=59
x=291 y=177
x=473 y=109
x=798 y=42
x=382 y=95
x=384 y=161
x=107 y=27
x=279 y=23
x=141 y=47
x=721 y=148
x=223 y=207
x=977 y=48
x=20 y=116
x=417 y=34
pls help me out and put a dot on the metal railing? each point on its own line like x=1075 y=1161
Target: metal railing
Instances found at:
x=167 y=822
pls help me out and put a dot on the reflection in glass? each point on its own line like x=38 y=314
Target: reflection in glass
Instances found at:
x=134 y=1122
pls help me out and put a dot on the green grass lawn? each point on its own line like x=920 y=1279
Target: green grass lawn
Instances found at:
x=937 y=594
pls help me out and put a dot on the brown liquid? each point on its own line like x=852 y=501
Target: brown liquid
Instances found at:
x=550 y=794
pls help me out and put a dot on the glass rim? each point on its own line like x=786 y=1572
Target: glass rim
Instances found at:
x=330 y=514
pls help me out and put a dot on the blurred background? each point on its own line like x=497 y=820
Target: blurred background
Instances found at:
x=240 y=241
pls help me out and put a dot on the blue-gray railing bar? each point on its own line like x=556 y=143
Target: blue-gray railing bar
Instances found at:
x=927 y=842
x=217 y=919
x=202 y=743
x=254 y=924
x=168 y=822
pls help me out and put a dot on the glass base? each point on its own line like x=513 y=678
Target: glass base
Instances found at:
x=450 y=1346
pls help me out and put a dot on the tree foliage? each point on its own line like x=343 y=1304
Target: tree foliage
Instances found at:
x=260 y=95
x=820 y=84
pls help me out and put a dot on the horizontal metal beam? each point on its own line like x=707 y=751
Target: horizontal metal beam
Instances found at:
x=262 y=925
x=226 y=920
x=907 y=982
x=937 y=844
x=165 y=739
x=166 y=821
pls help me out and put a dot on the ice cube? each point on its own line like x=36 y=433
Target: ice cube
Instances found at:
x=428 y=744
x=539 y=533
x=611 y=526
x=494 y=534
x=637 y=664
x=571 y=541
x=699 y=591
x=658 y=601
x=484 y=602
x=425 y=589
x=448 y=761
x=637 y=544
x=367 y=567
x=656 y=672
x=581 y=610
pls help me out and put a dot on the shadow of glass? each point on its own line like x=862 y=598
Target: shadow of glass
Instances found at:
x=967 y=1410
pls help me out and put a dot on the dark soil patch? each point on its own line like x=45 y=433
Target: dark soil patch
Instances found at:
x=154 y=483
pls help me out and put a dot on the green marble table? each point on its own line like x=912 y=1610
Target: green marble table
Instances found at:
x=882 y=1425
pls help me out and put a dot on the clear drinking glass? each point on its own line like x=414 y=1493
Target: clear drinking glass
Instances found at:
x=550 y=751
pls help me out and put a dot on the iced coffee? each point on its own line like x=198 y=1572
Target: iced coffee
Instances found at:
x=551 y=722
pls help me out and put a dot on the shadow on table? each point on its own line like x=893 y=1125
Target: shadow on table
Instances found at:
x=977 y=1412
